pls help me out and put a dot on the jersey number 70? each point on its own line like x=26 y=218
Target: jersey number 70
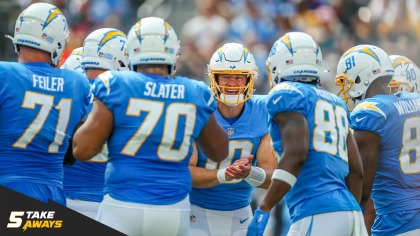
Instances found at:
x=173 y=111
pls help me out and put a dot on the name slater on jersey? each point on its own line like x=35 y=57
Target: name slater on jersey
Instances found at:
x=326 y=95
x=55 y=84
x=406 y=107
x=172 y=91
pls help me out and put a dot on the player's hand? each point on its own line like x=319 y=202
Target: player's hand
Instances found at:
x=240 y=169
x=258 y=223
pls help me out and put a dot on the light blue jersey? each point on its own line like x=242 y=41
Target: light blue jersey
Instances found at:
x=320 y=186
x=156 y=120
x=85 y=180
x=396 y=189
x=244 y=138
x=39 y=107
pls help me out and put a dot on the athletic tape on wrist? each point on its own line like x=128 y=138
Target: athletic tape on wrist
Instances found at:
x=256 y=177
x=284 y=176
x=221 y=175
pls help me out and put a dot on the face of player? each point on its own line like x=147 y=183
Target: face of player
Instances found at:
x=232 y=80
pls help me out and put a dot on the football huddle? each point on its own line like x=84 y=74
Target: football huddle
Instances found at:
x=116 y=135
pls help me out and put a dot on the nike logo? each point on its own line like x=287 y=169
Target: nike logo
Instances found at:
x=242 y=221
x=275 y=101
x=357 y=119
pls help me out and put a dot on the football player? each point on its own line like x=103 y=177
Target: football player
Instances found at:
x=39 y=105
x=150 y=119
x=320 y=167
x=386 y=129
x=406 y=76
x=405 y=79
x=73 y=62
x=221 y=193
x=103 y=50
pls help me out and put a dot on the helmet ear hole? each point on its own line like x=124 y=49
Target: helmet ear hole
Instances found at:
x=358 y=80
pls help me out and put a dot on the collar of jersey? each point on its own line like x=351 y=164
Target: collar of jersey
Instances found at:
x=156 y=77
x=242 y=116
x=42 y=64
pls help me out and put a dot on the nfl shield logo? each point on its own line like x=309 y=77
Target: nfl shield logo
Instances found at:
x=192 y=218
x=230 y=131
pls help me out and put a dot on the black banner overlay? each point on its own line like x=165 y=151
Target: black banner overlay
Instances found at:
x=23 y=215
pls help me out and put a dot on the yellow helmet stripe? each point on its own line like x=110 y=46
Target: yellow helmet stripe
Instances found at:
x=365 y=50
x=400 y=60
x=53 y=14
x=110 y=35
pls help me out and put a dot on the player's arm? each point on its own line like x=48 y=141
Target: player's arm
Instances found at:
x=370 y=215
x=90 y=137
x=368 y=143
x=202 y=177
x=256 y=176
x=213 y=141
x=294 y=131
x=354 y=180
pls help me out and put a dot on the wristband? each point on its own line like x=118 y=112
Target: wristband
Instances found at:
x=256 y=176
x=221 y=175
x=284 y=176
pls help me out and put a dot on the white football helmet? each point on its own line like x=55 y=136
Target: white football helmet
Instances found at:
x=42 y=26
x=232 y=58
x=295 y=56
x=153 y=41
x=105 y=49
x=358 y=68
x=73 y=62
x=406 y=75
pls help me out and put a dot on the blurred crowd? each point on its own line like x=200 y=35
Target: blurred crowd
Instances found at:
x=205 y=25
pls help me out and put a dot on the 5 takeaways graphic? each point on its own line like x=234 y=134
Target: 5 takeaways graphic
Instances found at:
x=23 y=215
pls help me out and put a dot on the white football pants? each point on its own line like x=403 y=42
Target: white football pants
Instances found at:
x=338 y=223
x=206 y=222
x=415 y=232
x=136 y=219
x=89 y=209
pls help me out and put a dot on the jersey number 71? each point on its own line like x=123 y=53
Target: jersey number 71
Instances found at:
x=46 y=101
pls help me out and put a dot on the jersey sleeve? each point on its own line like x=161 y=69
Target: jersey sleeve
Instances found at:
x=104 y=90
x=370 y=115
x=286 y=97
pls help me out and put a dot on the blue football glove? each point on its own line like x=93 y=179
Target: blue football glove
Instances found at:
x=258 y=223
